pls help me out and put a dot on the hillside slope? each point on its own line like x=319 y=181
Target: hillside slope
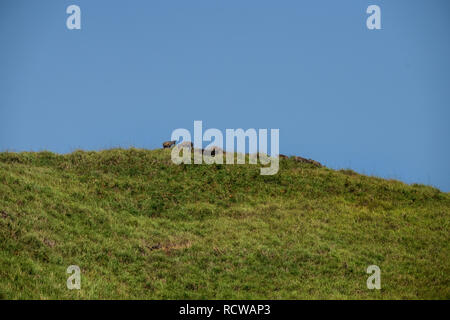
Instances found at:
x=141 y=227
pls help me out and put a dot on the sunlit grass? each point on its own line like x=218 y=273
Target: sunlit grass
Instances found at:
x=141 y=227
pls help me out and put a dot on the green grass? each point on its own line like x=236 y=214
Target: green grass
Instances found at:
x=141 y=227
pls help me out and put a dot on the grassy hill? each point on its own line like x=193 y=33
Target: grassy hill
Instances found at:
x=141 y=227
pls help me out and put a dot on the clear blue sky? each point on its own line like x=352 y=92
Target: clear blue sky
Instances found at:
x=373 y=101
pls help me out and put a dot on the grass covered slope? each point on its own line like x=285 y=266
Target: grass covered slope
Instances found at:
x=141 y=227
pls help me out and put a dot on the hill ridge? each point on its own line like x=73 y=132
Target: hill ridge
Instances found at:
x=140 y=226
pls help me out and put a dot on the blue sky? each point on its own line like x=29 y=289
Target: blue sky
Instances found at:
x=373 y=101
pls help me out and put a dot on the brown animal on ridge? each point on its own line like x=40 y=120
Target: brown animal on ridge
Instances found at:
x=168 y=144
x=186 y=144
